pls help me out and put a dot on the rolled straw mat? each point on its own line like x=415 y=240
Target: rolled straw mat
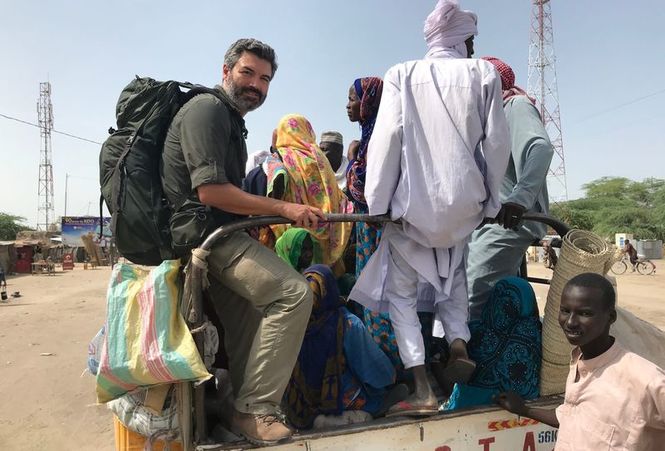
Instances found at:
x=581 y=252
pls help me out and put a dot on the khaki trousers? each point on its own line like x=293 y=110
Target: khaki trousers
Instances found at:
x=264 y=306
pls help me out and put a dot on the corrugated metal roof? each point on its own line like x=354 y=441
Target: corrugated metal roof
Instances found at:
x=20 y=243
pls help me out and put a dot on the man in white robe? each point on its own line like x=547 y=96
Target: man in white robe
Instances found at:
x=437 y=156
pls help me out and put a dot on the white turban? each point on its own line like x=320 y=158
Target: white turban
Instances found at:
x=447 y=27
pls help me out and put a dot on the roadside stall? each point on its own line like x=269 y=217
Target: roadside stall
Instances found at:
x=32 y=250
x=24 y=255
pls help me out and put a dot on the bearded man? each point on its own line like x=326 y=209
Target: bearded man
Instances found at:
x=262 y=302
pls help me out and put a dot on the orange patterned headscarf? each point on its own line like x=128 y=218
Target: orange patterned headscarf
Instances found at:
x=309 y=180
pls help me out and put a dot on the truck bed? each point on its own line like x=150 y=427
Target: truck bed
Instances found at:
x=480 y=428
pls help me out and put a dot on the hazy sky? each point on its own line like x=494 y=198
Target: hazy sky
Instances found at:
x=609 y=56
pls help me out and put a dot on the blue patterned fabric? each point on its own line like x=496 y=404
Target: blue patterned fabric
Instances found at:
x=506 y=346
x=315 y=386
x=368 y=236
x=339 y=366
x=368 y=372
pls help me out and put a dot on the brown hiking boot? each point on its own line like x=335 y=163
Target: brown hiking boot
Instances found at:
x=266 y=429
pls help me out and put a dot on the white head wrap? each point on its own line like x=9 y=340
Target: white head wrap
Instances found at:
x=446 y=29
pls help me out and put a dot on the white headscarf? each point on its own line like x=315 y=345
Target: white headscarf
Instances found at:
x=446 y=29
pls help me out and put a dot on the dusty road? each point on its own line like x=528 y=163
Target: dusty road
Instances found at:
x=45 y=403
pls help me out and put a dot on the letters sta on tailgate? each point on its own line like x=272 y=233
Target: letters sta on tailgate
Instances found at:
x=517 y=434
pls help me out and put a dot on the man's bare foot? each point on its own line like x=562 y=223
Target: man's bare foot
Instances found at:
x=415 y=406
x=421 y=402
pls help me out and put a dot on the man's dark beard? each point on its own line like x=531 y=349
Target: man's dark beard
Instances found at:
x=236 y=94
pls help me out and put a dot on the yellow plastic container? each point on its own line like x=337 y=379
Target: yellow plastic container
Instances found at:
x=126 y=440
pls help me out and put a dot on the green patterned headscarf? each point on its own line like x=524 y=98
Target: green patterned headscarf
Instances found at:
x=289 y=247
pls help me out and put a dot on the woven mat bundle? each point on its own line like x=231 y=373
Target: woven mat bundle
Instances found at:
x=581 y=252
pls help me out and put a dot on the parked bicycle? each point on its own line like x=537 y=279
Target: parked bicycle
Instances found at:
x=643 y=265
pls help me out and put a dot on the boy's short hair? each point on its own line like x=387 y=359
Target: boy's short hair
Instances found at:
x=595 y=281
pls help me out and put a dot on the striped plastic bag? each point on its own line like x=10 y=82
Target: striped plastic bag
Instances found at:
x=147 y=341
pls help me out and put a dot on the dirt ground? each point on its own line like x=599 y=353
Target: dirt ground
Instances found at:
x=47 y=404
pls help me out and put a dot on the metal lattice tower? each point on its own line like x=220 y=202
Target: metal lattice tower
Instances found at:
x=542 y=86
x=46 y=208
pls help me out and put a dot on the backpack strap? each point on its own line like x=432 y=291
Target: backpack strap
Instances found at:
x=224 y=98
x=101 y=217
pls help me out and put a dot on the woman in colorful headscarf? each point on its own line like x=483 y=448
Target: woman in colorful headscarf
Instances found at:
x=302 y=174
x=339 y=367
x=363 y=106
x=298 y=249
x=506 y=346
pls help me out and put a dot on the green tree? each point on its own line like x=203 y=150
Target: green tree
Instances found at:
x=644 y=193
x=659 y=205
x=607 y=187
x=10 y=225
x=617 y=204
x=574 y=217
x=635 y=220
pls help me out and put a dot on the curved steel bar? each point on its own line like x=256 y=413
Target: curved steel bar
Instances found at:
x=195 y=315
x=559 y=226
x=258 y=221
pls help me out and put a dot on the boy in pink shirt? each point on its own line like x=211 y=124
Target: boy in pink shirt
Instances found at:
x=614 y=398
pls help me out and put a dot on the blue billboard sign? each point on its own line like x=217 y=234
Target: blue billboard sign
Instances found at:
x=73 y=227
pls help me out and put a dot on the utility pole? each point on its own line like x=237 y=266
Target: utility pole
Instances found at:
x=46 y=208
x=66 y=185
x=542 y=86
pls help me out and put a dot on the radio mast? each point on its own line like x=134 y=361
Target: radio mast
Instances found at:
x=542 y=85
x=46 y=208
